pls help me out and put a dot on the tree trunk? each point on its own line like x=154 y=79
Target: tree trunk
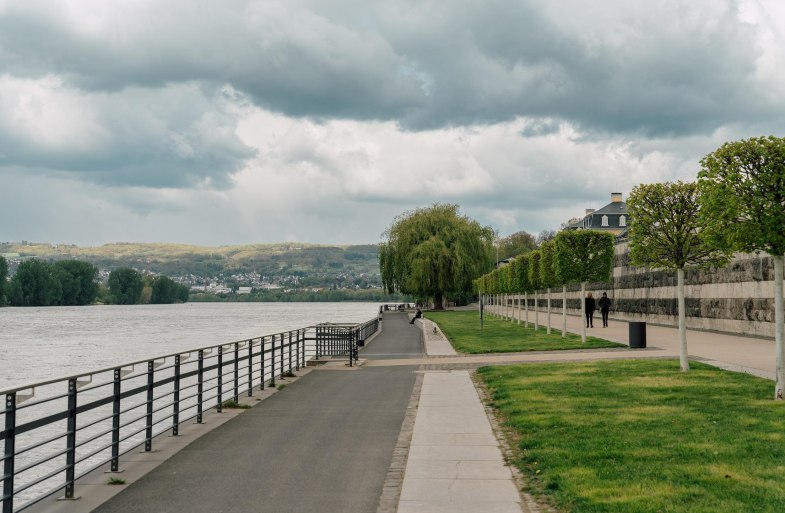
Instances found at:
x=536 y=312
x=518 y=311
x=512 y=309
x=438 y=301
x=548 y=317
x=564 y=311
x=526 y=307
x=583 y=311
x=683 y=360
x=779 y=317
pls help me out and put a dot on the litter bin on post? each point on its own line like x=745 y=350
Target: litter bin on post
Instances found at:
x=637 y=335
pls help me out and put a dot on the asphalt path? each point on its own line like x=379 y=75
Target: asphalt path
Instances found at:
x=323 y=444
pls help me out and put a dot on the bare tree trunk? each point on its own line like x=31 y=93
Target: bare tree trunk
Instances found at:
x=583 y=311
x=536 y=311
x=683 y=360
x=548 y=318
x=564 y=310
x=779 y=320
x=526 y=307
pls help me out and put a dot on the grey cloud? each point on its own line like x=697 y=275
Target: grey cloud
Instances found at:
x=176 y=136
x=422 y=64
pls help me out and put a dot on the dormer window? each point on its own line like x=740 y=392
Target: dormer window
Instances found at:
x=604 y=220
x=622 y=221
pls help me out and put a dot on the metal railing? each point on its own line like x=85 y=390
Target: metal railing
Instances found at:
x=56 y=431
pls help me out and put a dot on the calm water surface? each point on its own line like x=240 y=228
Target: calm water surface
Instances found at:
x=43 y=343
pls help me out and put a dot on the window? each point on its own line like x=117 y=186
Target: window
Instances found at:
x=604 y=220
x=622 y=221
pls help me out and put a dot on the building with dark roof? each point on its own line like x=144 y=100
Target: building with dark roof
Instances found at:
x=613 y=217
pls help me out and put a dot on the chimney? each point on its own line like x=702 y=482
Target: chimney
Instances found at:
x=589 y=211
x=615 y=197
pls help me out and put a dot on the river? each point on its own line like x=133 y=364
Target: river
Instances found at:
x=45 y=343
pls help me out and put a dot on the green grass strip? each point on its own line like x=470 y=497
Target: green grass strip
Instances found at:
x=463 y=330
x=640 y=436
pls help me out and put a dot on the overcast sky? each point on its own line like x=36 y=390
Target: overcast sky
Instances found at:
x=252 y=121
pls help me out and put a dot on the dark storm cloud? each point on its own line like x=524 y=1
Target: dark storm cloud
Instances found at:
x=423 y=64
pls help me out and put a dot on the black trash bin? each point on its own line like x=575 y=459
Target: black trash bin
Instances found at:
x=638 y=335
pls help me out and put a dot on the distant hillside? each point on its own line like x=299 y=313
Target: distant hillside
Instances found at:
x=306 y=264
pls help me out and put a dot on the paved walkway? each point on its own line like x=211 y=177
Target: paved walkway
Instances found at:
x=404 y=432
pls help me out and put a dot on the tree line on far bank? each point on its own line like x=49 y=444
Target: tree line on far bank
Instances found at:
x=75 y=283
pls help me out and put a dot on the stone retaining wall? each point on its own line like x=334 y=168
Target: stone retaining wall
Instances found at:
x=738 y=298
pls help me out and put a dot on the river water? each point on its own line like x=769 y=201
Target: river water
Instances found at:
x=39 y=344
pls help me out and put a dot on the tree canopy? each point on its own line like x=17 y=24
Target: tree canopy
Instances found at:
x=63 y=283
x=667 y=232
x=434 y=252
x=516 y=244
x=583 y=255
x=126 y=286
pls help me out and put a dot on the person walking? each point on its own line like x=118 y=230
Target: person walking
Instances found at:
x=605 y=306
x=590 y=307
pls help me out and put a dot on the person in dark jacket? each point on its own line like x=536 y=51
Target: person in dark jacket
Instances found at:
x=605 y=305
x=416 y=316
x=590 y=307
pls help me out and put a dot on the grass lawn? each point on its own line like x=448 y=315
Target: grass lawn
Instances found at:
x=641 y=436
x=500 y=336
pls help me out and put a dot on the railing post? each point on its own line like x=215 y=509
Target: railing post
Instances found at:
x=236 y=372
x=219 y=397
x=290 y=352
x=70 y=455
x=8 y=453
x=115 y=464
x=297 y=349
x=250 y=368
x=261 y=368
x=303 y=342
x=148 y=442
x=176 y=402
x=316 y=342
x=200 y=388
x=282 y=371
x=272 y=362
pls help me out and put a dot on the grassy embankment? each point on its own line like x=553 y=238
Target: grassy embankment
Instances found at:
x=500 y=336
x=640 y=436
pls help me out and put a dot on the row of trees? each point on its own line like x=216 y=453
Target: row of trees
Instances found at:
x=38 y=283
x=130 y=287
x=574 y=256
x=75 y=283
x=737 y=204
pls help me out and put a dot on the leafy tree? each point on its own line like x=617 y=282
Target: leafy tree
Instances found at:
x=743 y=209
x=582 y=256
x=79 y=282
x=545 y=236
x=126 y=286
x=666 y=234
x=35 y=284
x=167 y=291
x=433 y=252
x=3 y=279
x=534 y=280
x=516 y=244
x=548 y=276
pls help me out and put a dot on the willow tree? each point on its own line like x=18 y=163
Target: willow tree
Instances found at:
x=434 y=252
x=666 y=234
x=534 y=282
x=548 y=274
x=743 y=209
x=583 y=256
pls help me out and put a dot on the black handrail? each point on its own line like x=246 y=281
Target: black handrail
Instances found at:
x=104 y=414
